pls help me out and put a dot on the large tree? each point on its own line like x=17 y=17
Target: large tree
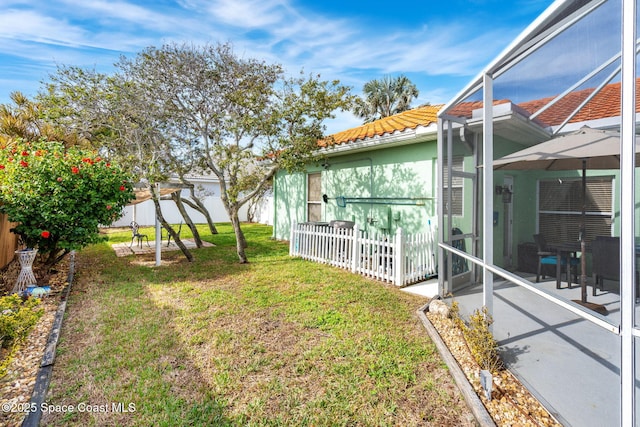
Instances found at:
x=385 y=97
x=117 y=117
x=248 y=118
x=203 y=106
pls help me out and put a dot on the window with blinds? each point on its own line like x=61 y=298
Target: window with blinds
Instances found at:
x=457 y=186
x=560 y=208
x=314 y=197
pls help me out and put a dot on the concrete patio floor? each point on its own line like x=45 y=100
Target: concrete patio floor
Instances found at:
x=571 y=365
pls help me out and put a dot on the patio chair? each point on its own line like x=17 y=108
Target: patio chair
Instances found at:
x=606 y=261
x=548 y=257
x=135 y=234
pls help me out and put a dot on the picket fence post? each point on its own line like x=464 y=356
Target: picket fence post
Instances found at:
x=355 y=249
x=292 y=238
x=398 y=257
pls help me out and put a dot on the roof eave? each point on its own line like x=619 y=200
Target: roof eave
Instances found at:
x=394 y=139
x=512 y=122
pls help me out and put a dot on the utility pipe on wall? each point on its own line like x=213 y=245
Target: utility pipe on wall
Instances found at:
x=326 y=166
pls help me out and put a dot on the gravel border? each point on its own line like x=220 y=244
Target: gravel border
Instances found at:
x=483 y=418
x=43 y=378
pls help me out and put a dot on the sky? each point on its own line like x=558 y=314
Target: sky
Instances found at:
x=440 y=46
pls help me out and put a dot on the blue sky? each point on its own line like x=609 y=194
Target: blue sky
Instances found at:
x=440 y=46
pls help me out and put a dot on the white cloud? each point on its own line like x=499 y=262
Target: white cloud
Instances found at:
x=32 y=26
x=249 y=13
x=98 y=31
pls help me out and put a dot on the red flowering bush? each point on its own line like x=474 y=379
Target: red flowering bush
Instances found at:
x=58 y=196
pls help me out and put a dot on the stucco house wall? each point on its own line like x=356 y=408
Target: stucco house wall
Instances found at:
x=381 y=182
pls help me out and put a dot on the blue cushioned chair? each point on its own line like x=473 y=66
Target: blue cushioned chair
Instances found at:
x=547 y=257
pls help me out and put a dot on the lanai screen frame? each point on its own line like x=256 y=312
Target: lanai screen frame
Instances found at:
x=560 y=15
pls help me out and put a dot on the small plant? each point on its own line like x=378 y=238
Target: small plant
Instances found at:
x=454 y=313
x=481 y=342
x=478 y=337
x=17 y=318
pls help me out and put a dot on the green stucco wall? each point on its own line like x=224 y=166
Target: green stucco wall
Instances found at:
x=406 y=171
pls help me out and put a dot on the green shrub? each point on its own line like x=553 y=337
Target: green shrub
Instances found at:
x=481 y=342
x=17 y=317
x=59 y=196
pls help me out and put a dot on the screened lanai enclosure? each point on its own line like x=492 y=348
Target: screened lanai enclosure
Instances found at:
x=571 y=337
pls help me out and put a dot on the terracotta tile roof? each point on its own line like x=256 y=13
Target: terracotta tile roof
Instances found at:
x=605 y=104
x=411 y=119
x=465 y=109
x=557 y=113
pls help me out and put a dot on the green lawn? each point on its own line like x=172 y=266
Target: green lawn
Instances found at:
x=278 y=341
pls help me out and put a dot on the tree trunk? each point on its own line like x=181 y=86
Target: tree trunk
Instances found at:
x=200 y=207
x=169 y=229
x=187 y=219
x=252 y=209
x=43 y=271
x=241 y=242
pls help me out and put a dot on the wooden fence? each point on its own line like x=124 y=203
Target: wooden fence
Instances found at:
x=401 y=259
x=8 y=241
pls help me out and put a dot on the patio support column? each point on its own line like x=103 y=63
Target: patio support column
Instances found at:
x=627 y=210
x=156 y=188
x=487 y=192
x=440 y=203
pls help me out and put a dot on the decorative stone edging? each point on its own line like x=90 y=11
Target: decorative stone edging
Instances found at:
x=32 y=419
x=479 y=411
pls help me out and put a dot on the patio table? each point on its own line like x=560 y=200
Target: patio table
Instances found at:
x=565 y=249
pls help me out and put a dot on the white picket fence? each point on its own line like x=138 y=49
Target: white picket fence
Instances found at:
x=401 y=259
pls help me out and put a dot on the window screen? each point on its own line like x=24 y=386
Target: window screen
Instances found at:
x=314 y=197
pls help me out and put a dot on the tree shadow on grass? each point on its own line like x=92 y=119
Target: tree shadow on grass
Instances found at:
x=119 y=350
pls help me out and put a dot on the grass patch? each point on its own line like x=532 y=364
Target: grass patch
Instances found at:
x=278 y=341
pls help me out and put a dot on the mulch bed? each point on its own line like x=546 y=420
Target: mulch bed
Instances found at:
x=16 y=387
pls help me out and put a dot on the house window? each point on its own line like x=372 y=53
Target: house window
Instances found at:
x=457 y=186
x=560 y=208
x=314 y=197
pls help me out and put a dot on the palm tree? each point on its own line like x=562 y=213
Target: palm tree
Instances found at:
x=385 y=97
x=25 y=119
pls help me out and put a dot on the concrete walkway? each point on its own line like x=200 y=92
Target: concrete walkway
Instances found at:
x=123 y=249
x=427 y=289
x=571 y=365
